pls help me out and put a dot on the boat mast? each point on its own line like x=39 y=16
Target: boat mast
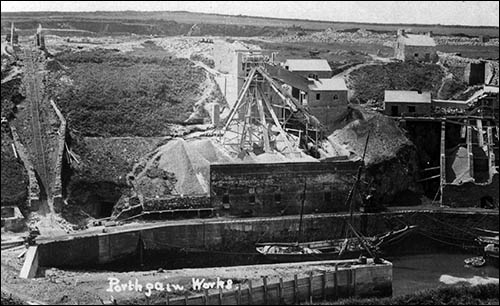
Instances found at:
x=358 y=178
x=299 y=236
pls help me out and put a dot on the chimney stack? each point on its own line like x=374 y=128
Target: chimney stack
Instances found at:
x=401 y=32
x=429 y=33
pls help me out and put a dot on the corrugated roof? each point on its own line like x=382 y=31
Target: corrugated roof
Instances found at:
x=418 y=40
x=328 y=84
x=407 y=96
x=307 y=65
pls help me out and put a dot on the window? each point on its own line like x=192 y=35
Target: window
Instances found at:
x=225 y=198
x=318 y=96
x=277 y=197
x=416 y=54
x=411 y=109
x=328 y=196
x=312 y=76
x=286 y=67
x=252 y=195
x=394 y=110
x=335 y=97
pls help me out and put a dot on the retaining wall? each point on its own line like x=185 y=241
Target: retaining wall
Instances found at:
x=345 y=281
x=57 y=184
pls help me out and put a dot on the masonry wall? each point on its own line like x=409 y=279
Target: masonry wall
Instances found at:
x=326 y=98
x=420 y=51
x=276 y=189
x=403 y=108
x=241 y=234
x=474 y=73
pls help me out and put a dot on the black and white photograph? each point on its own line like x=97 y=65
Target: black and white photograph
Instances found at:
x=250 y=152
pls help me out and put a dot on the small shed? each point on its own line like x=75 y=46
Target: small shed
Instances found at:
x=408 y=103
x=309 y=68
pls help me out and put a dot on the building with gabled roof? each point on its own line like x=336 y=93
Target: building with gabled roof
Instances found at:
x=309 y=68
x=415 y=47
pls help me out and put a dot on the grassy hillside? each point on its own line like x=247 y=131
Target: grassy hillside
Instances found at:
x=369 y=82
x=114 y=94
x=14 y=185
x=30 y=20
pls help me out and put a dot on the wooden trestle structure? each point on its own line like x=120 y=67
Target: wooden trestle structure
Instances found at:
x=266 y=118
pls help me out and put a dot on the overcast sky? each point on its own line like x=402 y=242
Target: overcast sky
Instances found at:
x=424 y=12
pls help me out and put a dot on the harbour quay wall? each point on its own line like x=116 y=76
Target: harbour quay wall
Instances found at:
x=241 y=234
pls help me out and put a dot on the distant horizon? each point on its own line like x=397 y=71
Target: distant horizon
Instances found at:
x=444 y=13
x=263 y=17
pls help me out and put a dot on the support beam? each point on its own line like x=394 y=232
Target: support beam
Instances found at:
x=491 y=152
x=265 y=132
x=443 y=159
x=470 y=156
x=248 y=111
x=277 y=123
x=30 y=266
x=241 y=97
x=480 y=137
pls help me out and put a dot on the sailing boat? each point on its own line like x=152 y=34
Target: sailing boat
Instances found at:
x=348 y=248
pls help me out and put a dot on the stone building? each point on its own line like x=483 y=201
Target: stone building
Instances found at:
x=408 y=103
x=326 y=98
x=279 y=188
x=415 y=47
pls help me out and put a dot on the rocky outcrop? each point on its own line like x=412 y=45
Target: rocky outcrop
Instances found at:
x=391 y=158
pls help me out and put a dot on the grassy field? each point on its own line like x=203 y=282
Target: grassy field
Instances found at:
x=29 y=20
x=116 y=94
x=335 y=53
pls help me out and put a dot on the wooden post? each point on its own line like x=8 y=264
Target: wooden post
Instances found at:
x=220 y=296
x=264 y=280
x=354 y=282
x=323 y=290
x=239 y=294
x=442 y=160
x=335 y=281
x=265 y=133
x=470 y=156
x=281 y=291
x=310 y=287
x=491 y=152
x=168 y=300
x=205 y=297
x=348 y=282
x=295 y=290
x=250 y=293
x=480 y=138
x=186 y=302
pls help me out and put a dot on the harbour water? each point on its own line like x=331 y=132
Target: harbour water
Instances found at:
x=412 y=273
